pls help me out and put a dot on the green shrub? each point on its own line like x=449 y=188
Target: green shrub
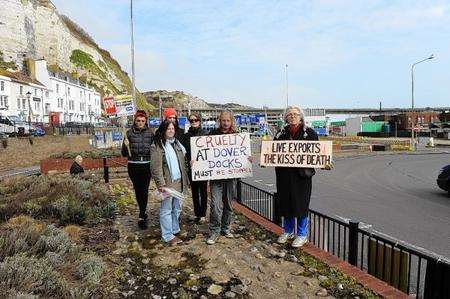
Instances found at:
x=95 y=154
x=70 y=210
x=32 y=275
x=69 y=199
x=90 y=269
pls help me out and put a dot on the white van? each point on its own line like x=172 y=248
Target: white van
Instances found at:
x=12 y=125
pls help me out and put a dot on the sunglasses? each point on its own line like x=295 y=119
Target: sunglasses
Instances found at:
x=194 y=120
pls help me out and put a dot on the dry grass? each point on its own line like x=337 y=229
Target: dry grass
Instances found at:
x=20 y=153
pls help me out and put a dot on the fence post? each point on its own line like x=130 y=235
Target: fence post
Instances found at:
x=275 y=209
x=353 y=242
x=239 y=191
x=105 y=170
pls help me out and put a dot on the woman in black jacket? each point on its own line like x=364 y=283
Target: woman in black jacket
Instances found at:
x=136 y=146
x=294 y=184
x=199 y=188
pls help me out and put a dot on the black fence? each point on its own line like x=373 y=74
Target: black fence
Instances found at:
x=404 y=267
x=72 y=129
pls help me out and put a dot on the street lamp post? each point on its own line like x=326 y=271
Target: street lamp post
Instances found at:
x=29 y=110
x=412 y=94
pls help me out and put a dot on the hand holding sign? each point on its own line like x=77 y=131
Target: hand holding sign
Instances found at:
x=221 y=157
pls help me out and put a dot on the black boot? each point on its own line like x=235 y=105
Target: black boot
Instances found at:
x=143 y=222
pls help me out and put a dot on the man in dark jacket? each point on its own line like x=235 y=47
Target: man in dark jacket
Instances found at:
x=136 y=146
x=199 y=188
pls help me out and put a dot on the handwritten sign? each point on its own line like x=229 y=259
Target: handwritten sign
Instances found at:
x=221 y=157
x=124 y=105
x=291 y=153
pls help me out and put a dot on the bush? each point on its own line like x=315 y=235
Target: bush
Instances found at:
x=40 y=259
x=70 y=210
x=69 y=199
x=90 y=268
x=124 y=198
x=95 y=154
x=25 y=235
x=32 y=275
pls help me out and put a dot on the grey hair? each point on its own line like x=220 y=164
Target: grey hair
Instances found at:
x=302 y=116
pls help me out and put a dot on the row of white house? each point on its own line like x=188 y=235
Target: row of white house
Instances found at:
x=47 y=97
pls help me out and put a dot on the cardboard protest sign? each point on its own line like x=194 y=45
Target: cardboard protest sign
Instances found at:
x=221 y=157
x=124 y=105
x=295 y=153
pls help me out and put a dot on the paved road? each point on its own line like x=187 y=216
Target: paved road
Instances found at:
x=397 y=194
x=20 y=171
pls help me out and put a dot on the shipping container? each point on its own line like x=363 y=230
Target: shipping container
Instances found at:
x=373 y=126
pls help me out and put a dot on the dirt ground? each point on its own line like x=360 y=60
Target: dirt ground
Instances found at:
x=20 y=153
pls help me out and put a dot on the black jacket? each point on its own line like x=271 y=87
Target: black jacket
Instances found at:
x=186 y=140
x=76 y=168
x=294 y=184
x=140 y=141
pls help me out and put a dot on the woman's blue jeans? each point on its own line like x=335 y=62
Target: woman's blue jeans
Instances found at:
x=302 y=225
x=169 y=218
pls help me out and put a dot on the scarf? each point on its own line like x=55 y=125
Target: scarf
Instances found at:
x=172 y=158
x=293 y=130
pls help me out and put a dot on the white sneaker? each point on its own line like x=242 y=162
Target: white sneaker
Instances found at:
x=212 y=239
x=299 y=241
x=284 y=237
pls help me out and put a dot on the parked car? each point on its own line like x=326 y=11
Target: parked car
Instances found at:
x=443 y=179
x=38 y=132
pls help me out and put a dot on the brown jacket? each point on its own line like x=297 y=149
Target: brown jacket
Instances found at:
x=160 y=169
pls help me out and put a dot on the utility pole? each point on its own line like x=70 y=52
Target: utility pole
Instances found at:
x=160 y=106
x=133 y=78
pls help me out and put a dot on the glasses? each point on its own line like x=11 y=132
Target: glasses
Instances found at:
x=293 y=115
x=194 y=120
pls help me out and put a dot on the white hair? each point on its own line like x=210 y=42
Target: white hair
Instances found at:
x=302 y=116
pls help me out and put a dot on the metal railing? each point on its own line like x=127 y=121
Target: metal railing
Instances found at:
x=106 y=168
x=411 y=270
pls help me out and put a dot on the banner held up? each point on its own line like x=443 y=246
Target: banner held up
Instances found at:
x=221 y=156
x=295 y=153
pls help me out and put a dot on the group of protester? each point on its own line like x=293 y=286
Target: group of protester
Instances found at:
x=166 y=157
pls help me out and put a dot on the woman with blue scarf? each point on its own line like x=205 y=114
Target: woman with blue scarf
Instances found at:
x=168 y=169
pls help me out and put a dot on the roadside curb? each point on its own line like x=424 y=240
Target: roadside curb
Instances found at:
x=367 y=280
x=356 y=156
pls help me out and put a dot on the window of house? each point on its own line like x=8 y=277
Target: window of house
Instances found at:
x=47 y=108
x=18 y=103
x=21 y=90
x=2 y=85
x=68 y=91
x=57 y=88
x=35 y=92
x=47 y=94
x=24 y=104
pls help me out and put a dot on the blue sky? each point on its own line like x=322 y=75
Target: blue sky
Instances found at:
x=339 y=53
